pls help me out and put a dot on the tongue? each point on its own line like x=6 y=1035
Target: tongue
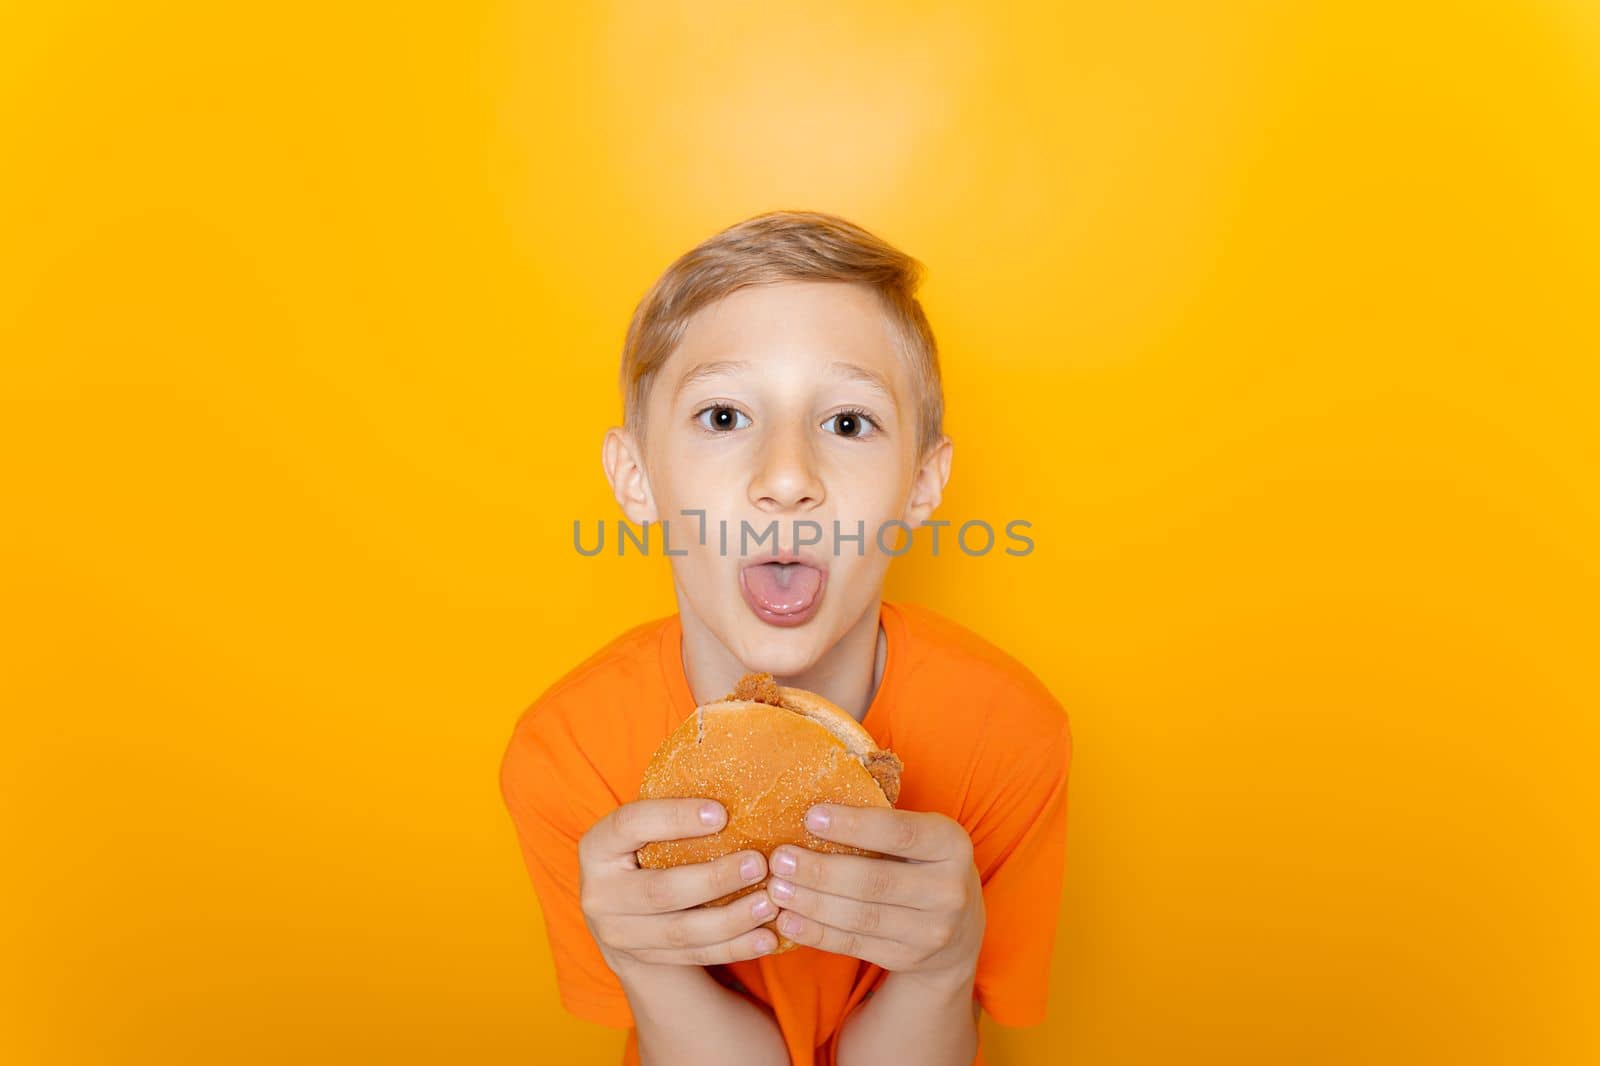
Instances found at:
x=783 y=588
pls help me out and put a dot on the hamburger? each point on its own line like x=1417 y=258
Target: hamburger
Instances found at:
x=767 y=753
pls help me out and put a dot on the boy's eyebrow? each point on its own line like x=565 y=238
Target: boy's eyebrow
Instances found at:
x=865 y=376
x=872 y=379
x=709 y=370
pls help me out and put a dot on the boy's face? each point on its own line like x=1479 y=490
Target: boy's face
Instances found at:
x=786 y=403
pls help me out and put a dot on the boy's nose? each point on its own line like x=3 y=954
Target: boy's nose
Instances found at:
x=786 y=477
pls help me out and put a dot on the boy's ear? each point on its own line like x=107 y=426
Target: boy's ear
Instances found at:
x=624 y=465
x=927 y=487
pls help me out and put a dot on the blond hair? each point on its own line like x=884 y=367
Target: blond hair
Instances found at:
x=783 y=246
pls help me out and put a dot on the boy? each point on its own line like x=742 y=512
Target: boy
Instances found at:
x=782 y=374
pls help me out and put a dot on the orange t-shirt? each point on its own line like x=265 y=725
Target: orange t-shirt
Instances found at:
x=982 y=740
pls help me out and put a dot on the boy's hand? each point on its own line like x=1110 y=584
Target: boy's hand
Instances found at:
x=920 y=913
x=651 y=916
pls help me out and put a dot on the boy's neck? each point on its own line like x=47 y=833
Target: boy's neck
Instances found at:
x=848 y=675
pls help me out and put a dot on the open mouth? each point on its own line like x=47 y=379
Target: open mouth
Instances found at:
x=783 y=593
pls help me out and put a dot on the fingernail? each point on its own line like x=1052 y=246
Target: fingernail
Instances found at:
x=762 y=908
x=711 y=813
x=817 y=818
x=783 y=863
x=789 y=923
x=781 y=890
x=750 y=869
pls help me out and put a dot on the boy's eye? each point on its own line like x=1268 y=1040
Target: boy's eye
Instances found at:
x=722 y=419
x=850 y=424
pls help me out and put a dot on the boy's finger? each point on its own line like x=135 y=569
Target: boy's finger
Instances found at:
x=907 y=884
x=633 y=825
x=694 y=927
x=812 y=933
x=903 y=925
x=751 y=945
x=922 y=835
x=673 y=889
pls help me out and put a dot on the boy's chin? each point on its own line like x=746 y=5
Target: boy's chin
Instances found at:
x=780 y=651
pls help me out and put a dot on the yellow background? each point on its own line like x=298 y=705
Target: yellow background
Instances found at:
x=1277 y=320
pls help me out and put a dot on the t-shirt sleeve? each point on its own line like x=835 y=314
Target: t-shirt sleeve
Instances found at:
x=554 y=796
x=1019 y=847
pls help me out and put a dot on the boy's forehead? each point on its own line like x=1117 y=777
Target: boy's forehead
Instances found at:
x=838 y=327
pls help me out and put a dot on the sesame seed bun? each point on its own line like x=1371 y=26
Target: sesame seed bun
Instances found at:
x=767 y=753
